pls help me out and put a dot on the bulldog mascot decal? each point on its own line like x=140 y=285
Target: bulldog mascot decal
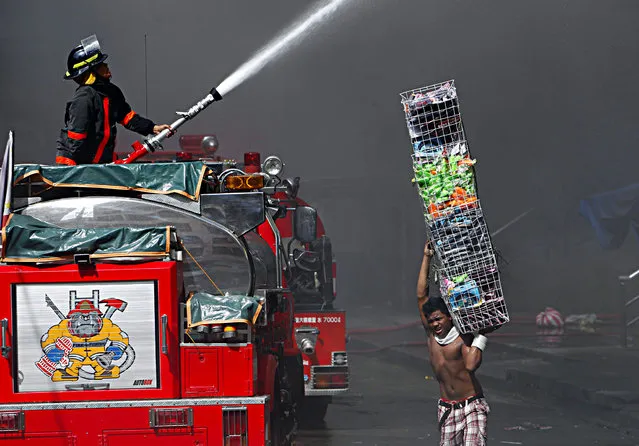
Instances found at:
x=85 y=343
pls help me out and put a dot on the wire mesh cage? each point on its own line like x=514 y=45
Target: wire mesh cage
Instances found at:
x=445 y=180
x=444 y=172
x=490 y=314
x=432 y=116
x=460 y=238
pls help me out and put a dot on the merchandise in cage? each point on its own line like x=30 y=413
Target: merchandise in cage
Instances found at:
x=461 y=237
x=489 y=314
x=446 y=180
x=432 y=116
x=466 y=265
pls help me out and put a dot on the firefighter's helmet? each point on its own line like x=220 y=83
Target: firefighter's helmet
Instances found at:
x=83 y=57
x=85 y=307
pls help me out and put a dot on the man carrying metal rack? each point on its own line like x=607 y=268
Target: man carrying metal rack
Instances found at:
x=462 y=409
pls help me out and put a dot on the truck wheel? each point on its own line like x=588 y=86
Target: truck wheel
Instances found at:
x=278 y=434
x=276 y=421
x=314 y=410
x=295 y=374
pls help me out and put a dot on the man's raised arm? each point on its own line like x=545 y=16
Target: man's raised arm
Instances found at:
x=422 y=282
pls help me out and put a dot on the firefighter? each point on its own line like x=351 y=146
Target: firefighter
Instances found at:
x=89 y=132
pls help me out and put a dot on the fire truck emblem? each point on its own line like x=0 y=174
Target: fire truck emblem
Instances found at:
x=85 y=343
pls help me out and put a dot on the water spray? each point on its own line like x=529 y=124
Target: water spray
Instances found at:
x=278 y=46
x=290 y=37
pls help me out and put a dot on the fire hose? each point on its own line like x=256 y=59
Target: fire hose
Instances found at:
x=130 y=358
x=155 y=142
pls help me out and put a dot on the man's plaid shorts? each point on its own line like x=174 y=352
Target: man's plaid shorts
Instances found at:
x=465 y=424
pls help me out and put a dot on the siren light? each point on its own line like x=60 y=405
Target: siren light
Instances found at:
x=252 y=162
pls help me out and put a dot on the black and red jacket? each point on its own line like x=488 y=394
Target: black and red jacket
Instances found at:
x=88 y=136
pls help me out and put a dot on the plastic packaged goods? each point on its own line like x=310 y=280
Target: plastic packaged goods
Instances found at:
x=444 y=182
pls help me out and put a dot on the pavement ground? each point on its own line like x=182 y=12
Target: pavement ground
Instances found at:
x=393 y=402
x=578 y=387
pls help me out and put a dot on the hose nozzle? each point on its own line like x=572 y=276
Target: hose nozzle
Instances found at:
x=216 y=94
x=306 y=338
x=307 y=346
x=155 y=142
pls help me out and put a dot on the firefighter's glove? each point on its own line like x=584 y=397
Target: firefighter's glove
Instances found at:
x=115 y=351
x=55 y=354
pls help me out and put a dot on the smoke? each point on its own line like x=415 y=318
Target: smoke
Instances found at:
x=547 y=125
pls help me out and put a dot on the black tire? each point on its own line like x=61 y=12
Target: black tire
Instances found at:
x=276 y=422
x=313 y=411
x=295 y=373
x=278 y=434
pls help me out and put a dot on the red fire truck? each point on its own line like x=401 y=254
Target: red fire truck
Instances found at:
x=101 y=342
x=147 y=304
x=309 y=272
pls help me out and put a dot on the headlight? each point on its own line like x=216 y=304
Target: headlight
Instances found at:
x=273 y=166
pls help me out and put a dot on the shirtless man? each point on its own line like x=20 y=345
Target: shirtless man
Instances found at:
x=454 y=358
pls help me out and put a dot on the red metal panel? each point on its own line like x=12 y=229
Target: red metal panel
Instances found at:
x=49 y=439
x=200 y=371
x=130 y=426
x=163 y=273
x=332 y=336
x=149 y=437
x=238 y=371
x=218 y=371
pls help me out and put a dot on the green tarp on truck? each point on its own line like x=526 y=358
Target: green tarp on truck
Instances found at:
x=27 y=239
x=157 y=178
x=204 y=308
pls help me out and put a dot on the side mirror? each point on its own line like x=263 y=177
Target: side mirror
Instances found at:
x=292 y=186
x=305 y=224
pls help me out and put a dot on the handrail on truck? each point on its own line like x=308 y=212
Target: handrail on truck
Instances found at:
x=625 y=304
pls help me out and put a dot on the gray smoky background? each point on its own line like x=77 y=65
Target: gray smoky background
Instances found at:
x=548 y=93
